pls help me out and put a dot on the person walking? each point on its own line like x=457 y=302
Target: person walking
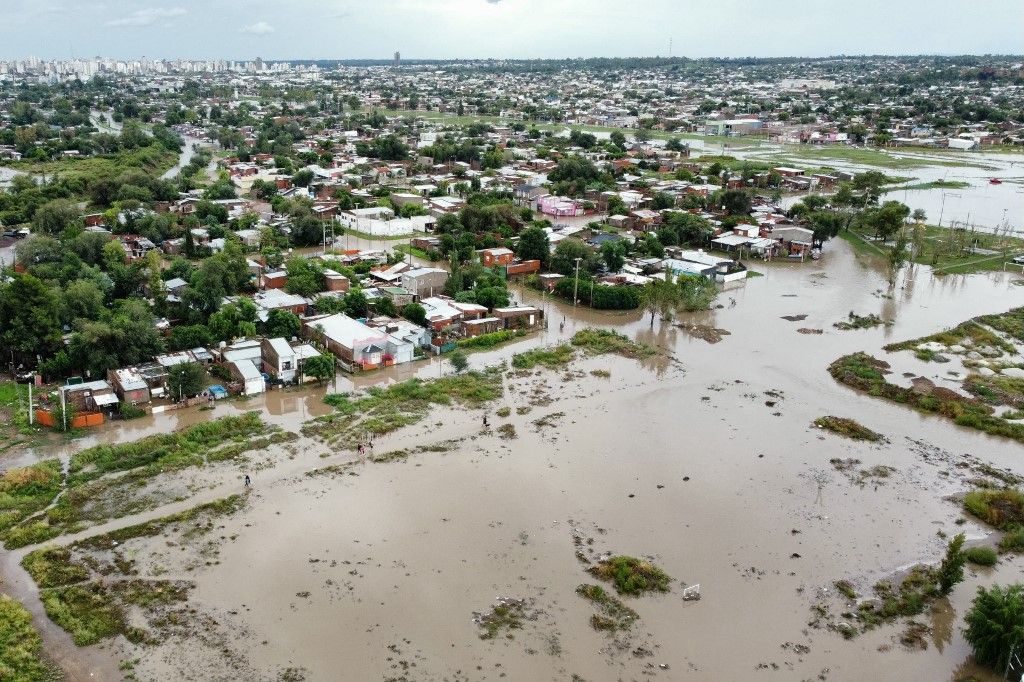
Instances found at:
x=248 y=481
x=485 y=421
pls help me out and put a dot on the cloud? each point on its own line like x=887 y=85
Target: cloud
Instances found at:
x=147 y=17
x=260 y=28
x=493 y=2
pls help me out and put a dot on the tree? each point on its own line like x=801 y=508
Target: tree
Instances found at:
x=282 y=323
x=303 y=177
x=660 y=296
x=534 y=244
x=898 y=256
x=305 y=276
x=320 y=367
x=459 y=360
x=697 y=292
x=186 y=380
x=415 y=313
x=736 y=201
x=618 y=139
x=563 y=260
x=951 y=570
x=491 y=296
x=29 y=318
x=995 y=626
x=885 y=220
x=385 y=306
x=55 y=216
x=355 y=303
x=82 y=299
x=614 y=255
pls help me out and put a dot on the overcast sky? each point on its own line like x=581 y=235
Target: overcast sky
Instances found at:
x=352 y=29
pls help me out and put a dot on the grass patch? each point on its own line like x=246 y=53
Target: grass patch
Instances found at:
x=20 y=645
x=506 y=615
x=557 y=356
x=602 y=341
x=612 y=614
x=382 y=410
x=934 y=184
x=507 y=431
x=90 y=600
x=1002 y=509
x=855 y=321
x=865 y=373
x=27 y=490
x=848 y=428
x=194 y=445
x=503 y=411
x=975 y=333
x=916 y=591
x=492 y=340
x=982 y=556
x=630 y=575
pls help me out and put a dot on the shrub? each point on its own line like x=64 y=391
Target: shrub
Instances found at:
x=982 y=556
x=631 y=575
x=995 y=625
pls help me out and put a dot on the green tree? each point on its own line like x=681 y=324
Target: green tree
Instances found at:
x=355 y=303
x=320 y=367
x=534 y=244
x=951 y=570
x=614 y=255
x=660 y=296
x=415 y=313
x=697 y=292
x=82 y=299
x=282 y=323
x=736 y=201
x=29 y=319
x=186 y=380
x=564 y=258
x=56 y=216
x=458 y=360
x=305 y=276
x=995 y=627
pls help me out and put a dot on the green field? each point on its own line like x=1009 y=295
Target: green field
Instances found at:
x=154 y=160
x=452 y=119
x=865 y=157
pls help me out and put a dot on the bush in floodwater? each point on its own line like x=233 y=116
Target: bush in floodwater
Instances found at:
x=982 y=556
x=847 y=427
x=630 y=575
x=999 y=508
x=558 y=356
x=1013 y=541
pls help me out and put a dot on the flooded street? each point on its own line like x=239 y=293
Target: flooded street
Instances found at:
x=374 y=572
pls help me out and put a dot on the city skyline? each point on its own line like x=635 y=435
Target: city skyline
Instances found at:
x=500 y=29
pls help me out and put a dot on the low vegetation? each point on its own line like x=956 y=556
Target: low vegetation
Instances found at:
x=976 y=332
x=491 y=340
x=601 y=341
x=630 y=575
x=506 y=615
x=865 y=373
x=612 y=615
x=848 y=428
x=855 y=321
x=982 y=556
x=27 y=490
x=554 y=357
x=382 y=410
x=91 y=599
x=20 y=645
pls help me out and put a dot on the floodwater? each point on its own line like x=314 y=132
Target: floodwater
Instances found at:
x=377 y=575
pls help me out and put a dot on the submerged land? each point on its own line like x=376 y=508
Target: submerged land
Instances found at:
x=662 y=475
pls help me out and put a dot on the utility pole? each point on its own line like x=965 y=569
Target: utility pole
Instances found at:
x=576 y=283
x=31 y=414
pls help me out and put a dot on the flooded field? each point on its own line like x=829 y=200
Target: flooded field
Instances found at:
x=703 y=458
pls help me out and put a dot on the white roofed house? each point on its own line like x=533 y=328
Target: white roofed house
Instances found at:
x=425 y=281
x=726 y=269
x=356 y=345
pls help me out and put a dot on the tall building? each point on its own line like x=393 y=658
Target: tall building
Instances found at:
x=398 y=58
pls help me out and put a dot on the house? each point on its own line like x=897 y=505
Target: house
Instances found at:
x=279 y=359
x=355 y=344
x=403 y=337
x=276 y=279
x=129 y=385
x=484 y=325
x=496 y=256
x=726 y=270
x=276 y=299
x=248 y=350
x=90 y=396
x=336 y=281
x=246 y=373
x=519 y=317
x=797 y=240
x=400 y=296
x=424 y=281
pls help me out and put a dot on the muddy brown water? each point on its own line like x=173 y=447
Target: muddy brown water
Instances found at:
x=680 y=461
